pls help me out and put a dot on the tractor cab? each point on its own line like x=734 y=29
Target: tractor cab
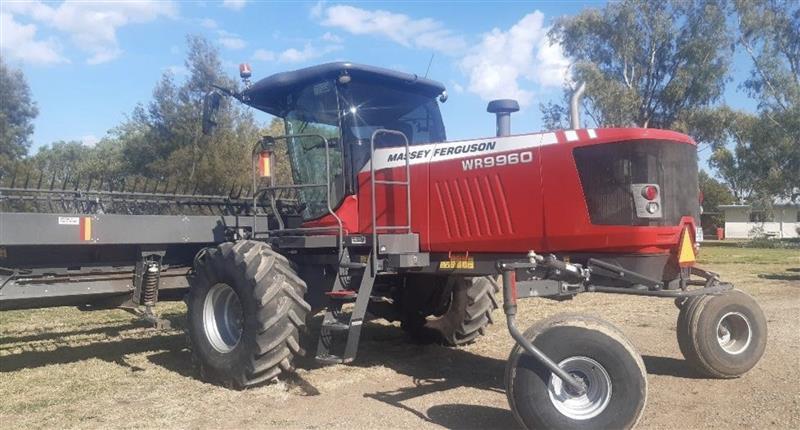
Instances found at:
x=330 y=113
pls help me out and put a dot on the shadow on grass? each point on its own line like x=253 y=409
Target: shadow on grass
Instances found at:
x=432 y=368
x=111 y=330
x=781 y=276
x=108 y=350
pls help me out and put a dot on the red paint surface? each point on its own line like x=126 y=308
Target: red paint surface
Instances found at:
x=511 y=209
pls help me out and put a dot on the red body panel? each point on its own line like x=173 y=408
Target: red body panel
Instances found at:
x=534 y=204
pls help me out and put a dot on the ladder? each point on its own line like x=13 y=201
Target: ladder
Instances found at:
x=337 y=324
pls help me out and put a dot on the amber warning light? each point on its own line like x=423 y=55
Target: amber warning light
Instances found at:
x=263 y=164
x=244 y=71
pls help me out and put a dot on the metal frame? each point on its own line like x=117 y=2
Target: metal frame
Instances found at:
x=272 y=189
x=570 y=279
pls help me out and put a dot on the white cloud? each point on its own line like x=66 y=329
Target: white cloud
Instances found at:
x=316 y=10
x=234 y=4
x=232 y=42
x=330 y=37
x=458 y=88
x=92 y=26
x=263 y=55
x=425 y=33
x=505 y=63
x=89 y=140
x=309 y=52
x=18 y=41
x=209 y=23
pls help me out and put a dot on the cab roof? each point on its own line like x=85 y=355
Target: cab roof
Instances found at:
x=269 y=94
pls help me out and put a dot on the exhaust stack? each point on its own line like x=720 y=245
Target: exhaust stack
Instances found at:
x=503 y=108
x=574 y=114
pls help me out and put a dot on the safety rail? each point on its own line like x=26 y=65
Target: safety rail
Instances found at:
x=406 y=183
x=272 y=189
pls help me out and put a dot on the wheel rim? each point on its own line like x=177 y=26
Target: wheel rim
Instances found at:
x=734 y=333
x=222 y=318
x=598 y=389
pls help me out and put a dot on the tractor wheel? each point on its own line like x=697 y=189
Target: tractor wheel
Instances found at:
x=722 y=336
x=467 y=309
x=590 y=349
x=245 y=314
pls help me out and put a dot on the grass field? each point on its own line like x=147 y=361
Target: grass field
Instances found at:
x=61 y=367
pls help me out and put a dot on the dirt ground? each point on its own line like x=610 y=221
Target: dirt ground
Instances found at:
x=65 y=368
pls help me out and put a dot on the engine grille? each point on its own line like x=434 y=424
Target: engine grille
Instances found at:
x=608 y=170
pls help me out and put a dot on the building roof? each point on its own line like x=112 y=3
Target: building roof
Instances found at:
x=269 y=94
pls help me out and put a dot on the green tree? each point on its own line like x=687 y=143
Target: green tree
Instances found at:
x=645 y=63
x=769 y=31
x=17 y=112
x=164 y=139
x=715 y=193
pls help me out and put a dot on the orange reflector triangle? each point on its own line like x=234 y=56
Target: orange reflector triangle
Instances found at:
x=686 y=255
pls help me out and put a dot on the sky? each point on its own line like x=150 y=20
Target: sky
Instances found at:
x=89 y=63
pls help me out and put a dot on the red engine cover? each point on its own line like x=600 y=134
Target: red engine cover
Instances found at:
x=502 y=195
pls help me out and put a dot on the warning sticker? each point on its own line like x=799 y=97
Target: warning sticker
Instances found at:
x=69 y=220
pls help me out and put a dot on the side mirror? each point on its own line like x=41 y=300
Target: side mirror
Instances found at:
x=211 y=103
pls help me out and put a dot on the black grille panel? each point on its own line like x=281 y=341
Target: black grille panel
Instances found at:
x=608 y=170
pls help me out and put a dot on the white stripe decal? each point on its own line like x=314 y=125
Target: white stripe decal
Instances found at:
x=592 y=133
x=435 y=152
x=571 y=135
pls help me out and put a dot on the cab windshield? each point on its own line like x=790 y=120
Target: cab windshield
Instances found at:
x=313 y=114
x=368 y=107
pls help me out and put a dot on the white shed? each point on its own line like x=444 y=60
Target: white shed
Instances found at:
x=742 y=221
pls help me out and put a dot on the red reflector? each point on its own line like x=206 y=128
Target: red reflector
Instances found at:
x=650 y=192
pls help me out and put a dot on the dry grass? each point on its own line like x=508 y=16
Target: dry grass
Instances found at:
x=64 y=368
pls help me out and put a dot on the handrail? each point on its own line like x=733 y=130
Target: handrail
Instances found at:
x=272 y=187
x=373 y=182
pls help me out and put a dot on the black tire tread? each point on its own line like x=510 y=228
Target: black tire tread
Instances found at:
x=688 y=328
x=481 y=294
x=571 y=320
x=277 y=293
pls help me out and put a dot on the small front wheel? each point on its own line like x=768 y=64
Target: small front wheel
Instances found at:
x=593 y=351
x=722 y=336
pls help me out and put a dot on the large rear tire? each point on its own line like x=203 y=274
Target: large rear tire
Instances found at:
x=469 y=303
x=590 y=349
x=722 y=336
x=245 y=314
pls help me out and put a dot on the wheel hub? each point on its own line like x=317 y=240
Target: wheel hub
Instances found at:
x=734 y=333
x=223 y=318
x=595 y=379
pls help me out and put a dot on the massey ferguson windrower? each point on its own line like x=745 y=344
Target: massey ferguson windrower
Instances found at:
x=382 y=216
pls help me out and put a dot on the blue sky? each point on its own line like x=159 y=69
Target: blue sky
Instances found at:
x=89 y=63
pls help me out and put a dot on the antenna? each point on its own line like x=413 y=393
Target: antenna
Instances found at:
x=429 y=65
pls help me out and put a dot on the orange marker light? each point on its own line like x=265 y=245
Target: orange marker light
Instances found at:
x=263 y=164
x=686 y=256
